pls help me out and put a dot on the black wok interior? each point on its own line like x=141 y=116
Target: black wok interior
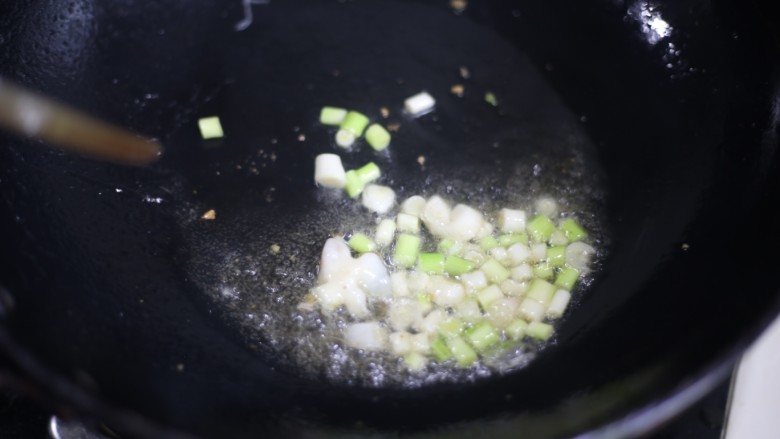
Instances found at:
x=106 y=315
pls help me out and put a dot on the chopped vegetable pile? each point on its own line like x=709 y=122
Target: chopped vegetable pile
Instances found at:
x=437 y=283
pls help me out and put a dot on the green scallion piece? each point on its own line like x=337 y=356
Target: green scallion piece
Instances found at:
x=355 y=123
x=494 y=271
x=464 y=355
x=540 y=228
x=450 y=327
x=406 y=249
x=544 y=270
x=516 y=330
x=440 y=350
x=483 y=335
x=354 y=185
x=566 y=278
x=431 y=263
x=572 y=230
x=368 y=173
x=332 y=115
x=415 y=361
x=450 y=246
x=512 y=238
x=491 y=98
x=541 y=291
x=556 y=256
x=210 y=127
x=378 y=137
x=456 y=266
x=361 y=243
x=539 y=330
x=488 y=243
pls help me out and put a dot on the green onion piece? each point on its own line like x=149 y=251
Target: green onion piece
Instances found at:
x=566 y=278
x=451 y=327
x=355 y=123
x=512 y=238
x=415 y=361
x=424 y=301
x=494 y=271
x=354 y=185
x=440 y=350
x=483 y=335
x=556 y=256
x=368 y=173
x=332 y=115
x=488 y=295
x=516 y=330
x=456 y=266
x=378 y=137
x=541 y=291
x=488 y=243
x=540 y=228
x=463 y=353
x=491 y=99
x=446 y=245
x=406 y=249
x=539 y=330
x=572 y=230
x=544 y=270
x=210 y=128
x=361 y=243
x=431 y=263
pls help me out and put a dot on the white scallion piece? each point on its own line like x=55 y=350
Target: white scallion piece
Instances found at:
x=419 y=104
x=378 y=198
x=436 y=216
x=489 y=295
x=408 y=223
x=522 y=272
x=385 y=232
x=465 y=223
x=558 y=304
x=345 y=138
x=413 y=205
x=546 y=206
x=578 y=256
x=336 y=258
x=430 y=324
x=400 y=342
x=417 y=281
x=210 y=127
x=518 y=253
x=403 y=313
x=511 y=220
x=446 y=292
x=539 y=252
x=558 y=238
x=468 y=310
x=398 y=284
x=476 y=280
x=421 y=343
x=329 y=172
x=502 y=312
x=514 y=288
x=531 y=310
x=369 y=336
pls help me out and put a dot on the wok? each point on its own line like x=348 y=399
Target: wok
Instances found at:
x=109 y=276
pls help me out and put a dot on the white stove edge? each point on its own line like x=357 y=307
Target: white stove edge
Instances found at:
x=754 y=406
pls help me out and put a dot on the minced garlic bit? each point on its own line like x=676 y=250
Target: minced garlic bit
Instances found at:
x=421 y=160
x=393 y=127
x=209 y=215
x=457 y=90
x=385 y=112
x=275 y=248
